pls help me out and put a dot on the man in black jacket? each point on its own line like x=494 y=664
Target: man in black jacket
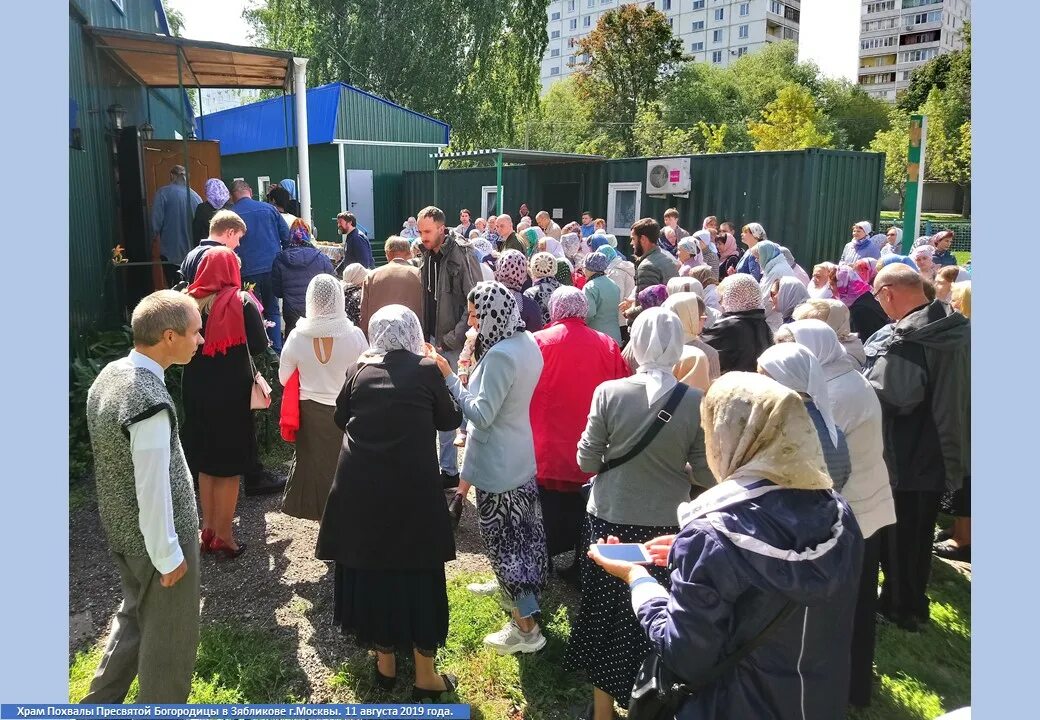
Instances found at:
x=920 y=367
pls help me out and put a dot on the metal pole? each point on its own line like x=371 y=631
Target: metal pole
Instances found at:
x=187 y=154
x=436 y=168
x=498 y=174
x=202 y=114
x=300 y=89
x=915 y=179
x=285 y=125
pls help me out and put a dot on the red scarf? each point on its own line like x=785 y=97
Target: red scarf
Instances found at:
x=219 y=274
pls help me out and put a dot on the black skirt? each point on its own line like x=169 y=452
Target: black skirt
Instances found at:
x=608 y=642
x=393 y=610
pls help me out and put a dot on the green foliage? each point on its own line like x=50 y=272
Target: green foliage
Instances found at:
x=894 y=142
x=791 y=122
x=854 y=116
x=235 y=664
x=632 y=55
x=175 y=18
x=473 y=65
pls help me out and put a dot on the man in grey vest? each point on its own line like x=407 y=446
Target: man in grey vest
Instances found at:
x=147 y=506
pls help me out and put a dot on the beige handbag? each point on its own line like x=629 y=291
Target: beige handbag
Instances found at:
x=260 y=397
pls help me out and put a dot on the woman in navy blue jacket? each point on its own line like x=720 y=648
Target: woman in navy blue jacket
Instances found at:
x=294 y=267
x=772 y=532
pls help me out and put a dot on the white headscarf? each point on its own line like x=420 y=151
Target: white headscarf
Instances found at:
x=680 y=284
x=326 y=309
x=821 y=340
x=554 y=246
x=794 y=366
x=657 y=344
x=393 y=327
x=354 y=274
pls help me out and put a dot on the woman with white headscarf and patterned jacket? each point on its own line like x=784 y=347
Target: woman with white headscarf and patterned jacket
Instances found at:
x=771 y=542
x=390 y=587
x=324 y=346
x=635 y=500
x=500 y=459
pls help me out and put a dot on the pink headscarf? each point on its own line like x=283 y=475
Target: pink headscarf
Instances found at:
x=850 y=286
x=866 y=268
x=729 y=247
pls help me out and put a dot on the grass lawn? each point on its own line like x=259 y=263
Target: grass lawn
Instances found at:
x=921 y=675
x=933 y=217
x=963 y=257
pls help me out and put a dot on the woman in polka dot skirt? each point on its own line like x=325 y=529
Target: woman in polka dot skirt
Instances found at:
x=635 y=501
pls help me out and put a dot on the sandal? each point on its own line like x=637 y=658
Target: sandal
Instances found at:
x=418 y=694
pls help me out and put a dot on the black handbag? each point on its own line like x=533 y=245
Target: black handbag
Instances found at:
x=658 y=693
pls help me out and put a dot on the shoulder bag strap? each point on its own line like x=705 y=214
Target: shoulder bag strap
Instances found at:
x=731 y=661
x=659 y=422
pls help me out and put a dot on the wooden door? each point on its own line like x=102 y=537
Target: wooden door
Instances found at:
x=159 y=157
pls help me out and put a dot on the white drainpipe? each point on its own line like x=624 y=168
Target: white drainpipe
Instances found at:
x=302 y=145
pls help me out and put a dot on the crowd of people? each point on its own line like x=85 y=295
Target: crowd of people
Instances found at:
x=772 y=438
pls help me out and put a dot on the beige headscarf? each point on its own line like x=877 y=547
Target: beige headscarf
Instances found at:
x=755 y=428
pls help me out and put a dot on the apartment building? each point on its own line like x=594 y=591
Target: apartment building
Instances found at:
x=897 y=36
x=715 y=31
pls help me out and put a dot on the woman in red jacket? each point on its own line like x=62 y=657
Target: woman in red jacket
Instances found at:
x=576 y=360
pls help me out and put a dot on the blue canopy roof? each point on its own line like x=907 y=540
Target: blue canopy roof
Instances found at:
x=271 y=124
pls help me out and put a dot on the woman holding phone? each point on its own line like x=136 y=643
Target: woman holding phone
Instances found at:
x=636 y=498
x=390 y=590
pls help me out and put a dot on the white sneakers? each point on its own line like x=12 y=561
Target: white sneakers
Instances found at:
x=511 y=639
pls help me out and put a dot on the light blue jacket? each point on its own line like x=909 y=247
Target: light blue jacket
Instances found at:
x=497 y=405
x=603 y=296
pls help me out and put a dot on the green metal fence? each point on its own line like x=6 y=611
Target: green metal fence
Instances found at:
x=961 y=231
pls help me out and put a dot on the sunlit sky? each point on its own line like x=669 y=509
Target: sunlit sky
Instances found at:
x=829 y=29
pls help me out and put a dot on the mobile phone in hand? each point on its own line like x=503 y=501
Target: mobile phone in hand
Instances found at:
x=627 y=552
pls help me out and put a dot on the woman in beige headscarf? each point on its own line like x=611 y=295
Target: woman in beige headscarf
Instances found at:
x=772 y=541
x=836 y=314
x=692 y=312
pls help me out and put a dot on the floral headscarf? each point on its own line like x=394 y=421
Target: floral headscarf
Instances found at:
x=217 y=193
x=571 y=244
x=299 y=233
x=326 y=309
x=568 y=302
x=543 y=265
x=482 y=248
x=497 y=314
x=739 y=292
x=596 y=262
x=651 y=297
x=511 y=269
x=393 y=327
x=850 y=286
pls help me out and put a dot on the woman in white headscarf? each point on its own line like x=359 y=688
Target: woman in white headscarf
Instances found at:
x=353 y=278
x=388 y=476
x=857 y=412
x=633 y=498
x=323 y=347
x=836 y=314
x=794 y=367
x=774 y=266
x=819 y=285
x=771 y=542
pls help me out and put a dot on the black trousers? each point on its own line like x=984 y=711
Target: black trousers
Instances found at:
x=861 y=667
x=906 y=555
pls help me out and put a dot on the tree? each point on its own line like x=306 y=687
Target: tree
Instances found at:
x=855 y=117
x=631 y=55
x=562 y=121
x=473 y=65
x=791 y=122
x=950 y=73
x=895 y=143
x=174 y=18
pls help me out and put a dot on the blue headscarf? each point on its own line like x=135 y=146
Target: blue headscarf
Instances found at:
x=767 y=250
x=610 y=252
x=289 y=185
x=598 y=241
x=892 y=259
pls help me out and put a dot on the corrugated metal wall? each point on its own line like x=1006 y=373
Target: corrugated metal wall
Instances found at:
x=366 y=117
x=805 y=199
x=94 y=84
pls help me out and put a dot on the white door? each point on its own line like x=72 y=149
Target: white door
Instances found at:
x=359 y=200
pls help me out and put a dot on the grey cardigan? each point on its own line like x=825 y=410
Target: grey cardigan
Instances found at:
x=647 y=489
x=497 y=406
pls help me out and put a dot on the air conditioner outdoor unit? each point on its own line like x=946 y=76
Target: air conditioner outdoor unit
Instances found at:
x=667 y=176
